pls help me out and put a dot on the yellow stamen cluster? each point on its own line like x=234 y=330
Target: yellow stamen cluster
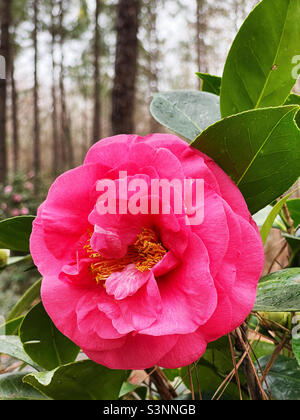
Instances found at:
x=144 y=253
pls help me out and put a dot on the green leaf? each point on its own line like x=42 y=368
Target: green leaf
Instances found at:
x=12 y=346
x=42 y=341
x=279 y=292
x=128 y=388
x=267 y=226
x=26 y=300
x=262 y=348
x=261 y=216
x=283 y=379
x=293 y=241
x=12 y=388
x=294 y=209
x=84 y=380
x=172 y=374
x=258 y=149
x=11 y=327
x=15 y=233
x=259 y=68
x=186 y=112
x=294 y=100
x=210 y=83
x=296 y=348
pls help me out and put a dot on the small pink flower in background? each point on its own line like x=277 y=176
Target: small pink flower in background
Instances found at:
x=30 y=174
x=134 y=291
x=28 y=185
x=3 y=206
x=15 y=212
x=24 y=211
x=8 y=189
x=17 y=198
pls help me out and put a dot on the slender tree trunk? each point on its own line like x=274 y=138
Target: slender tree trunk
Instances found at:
x=199 y=36
x=153 y=57
x=56 y=164
x=67 y=147
x=97 y=97
x=123 y=95
x=15 y=118
x=5 y=6
x=36 y=117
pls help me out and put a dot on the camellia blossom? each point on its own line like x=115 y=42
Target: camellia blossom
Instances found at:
x=138 y=290
x=24 y=211
x=8 y=189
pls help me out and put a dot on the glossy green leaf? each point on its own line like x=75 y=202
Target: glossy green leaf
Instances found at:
x=26 y=300
x=186 y=112
x=15 y=233
x=12 y=346
x=11 y=327
x=42 y=341
x=261 y=348
x=210 y=83
x=259 y=69
x=294 y=209
x=84 y=380
x=294 y=100
x=267 y=226
x=12 y=388
x=283 y=379
x=293 y=241
x=279 y=292
x=261 y=216
x=296 y=348
x=258 y=149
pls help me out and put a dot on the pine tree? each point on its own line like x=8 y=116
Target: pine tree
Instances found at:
x=5 y=18
x=97 y=100
x=123 y=95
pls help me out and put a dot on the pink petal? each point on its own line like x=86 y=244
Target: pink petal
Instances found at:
x=127 y=282
x=189 y=297
x=188 y=349
x=138 y=352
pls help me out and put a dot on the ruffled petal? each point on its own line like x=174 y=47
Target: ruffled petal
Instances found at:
x=189 y=297
x=138 y=352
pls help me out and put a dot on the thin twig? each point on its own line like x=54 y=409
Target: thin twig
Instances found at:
x=275 y=354
x=164 y=388
x=191 y=383
x=235 y=368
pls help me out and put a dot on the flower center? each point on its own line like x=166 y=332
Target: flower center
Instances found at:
x=145 y=253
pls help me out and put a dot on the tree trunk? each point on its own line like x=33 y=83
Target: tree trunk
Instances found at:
x=199 y=36
x=15 y=118
x=67 y=147
x=97 y=98
x=36 y=131
x=153 y=58
x=5 y=6
x=56 y=164
x=123 y=95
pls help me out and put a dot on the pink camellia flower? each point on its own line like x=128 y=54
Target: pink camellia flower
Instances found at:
x=15 y=212
x=17 y=198
x=3 y=206
x=8 y=189
x=24 y=211
x=138 y=290
x=29 y=185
